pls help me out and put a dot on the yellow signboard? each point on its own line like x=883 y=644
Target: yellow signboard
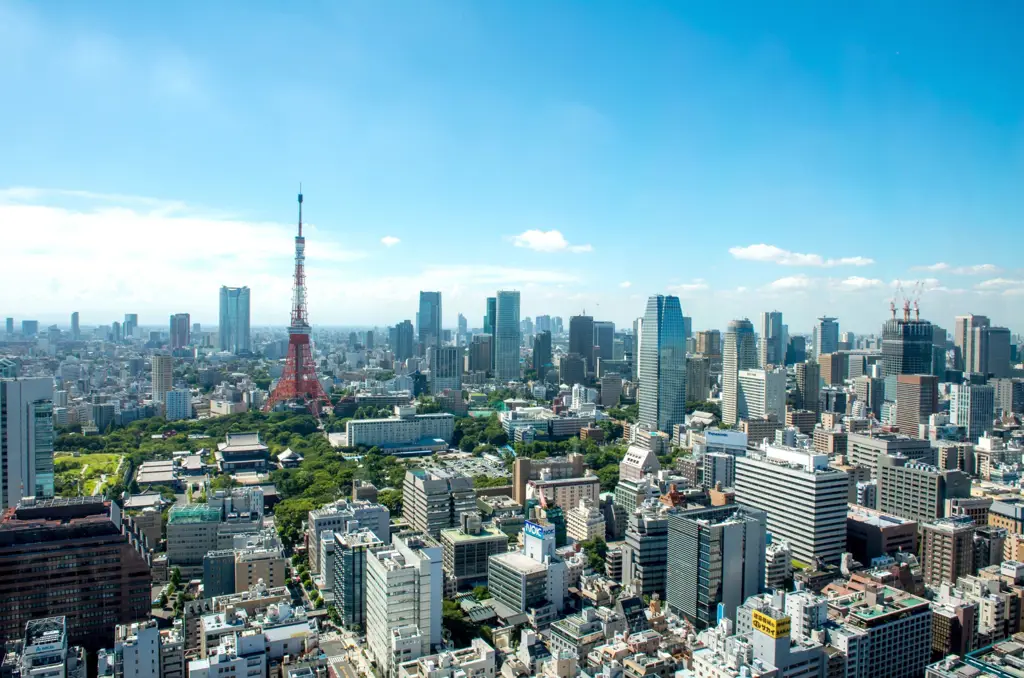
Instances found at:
x=775 y=628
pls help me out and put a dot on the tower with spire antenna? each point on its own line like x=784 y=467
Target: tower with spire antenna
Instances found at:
x=298 y=385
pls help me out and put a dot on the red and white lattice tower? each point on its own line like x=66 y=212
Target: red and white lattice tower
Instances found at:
x=298 y=383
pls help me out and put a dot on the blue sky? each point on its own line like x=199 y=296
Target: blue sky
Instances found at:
x=589 y=154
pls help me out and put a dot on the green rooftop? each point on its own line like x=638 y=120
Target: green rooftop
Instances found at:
x=193 y=513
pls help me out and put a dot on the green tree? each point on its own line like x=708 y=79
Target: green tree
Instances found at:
x=596 y=551
x=457 y=624
x=481 y=592
x=609 y=477
x=175 y=577
x=392 y=499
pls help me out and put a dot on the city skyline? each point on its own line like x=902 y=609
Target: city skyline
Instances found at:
x=832 y=155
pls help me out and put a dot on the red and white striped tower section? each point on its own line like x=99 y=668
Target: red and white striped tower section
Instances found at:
x=298 y=383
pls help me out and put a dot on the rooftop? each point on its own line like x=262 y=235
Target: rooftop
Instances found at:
x=520 y=562
x=194 y=513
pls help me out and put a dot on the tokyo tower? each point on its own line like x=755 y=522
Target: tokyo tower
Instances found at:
x=298 y=384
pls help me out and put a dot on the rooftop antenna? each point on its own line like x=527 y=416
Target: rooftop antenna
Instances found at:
x=300 y=208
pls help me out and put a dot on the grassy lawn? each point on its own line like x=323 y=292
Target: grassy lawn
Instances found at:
x=70 y=469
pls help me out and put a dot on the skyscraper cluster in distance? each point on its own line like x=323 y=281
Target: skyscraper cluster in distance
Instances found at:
x=511 y=495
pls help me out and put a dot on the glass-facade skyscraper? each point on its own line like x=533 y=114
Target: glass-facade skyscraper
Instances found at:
x=233 y=331
x=506 y=335
x=429 y=319
x=662 y=364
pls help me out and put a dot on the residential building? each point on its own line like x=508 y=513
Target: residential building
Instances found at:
x=26 y=439
x=467 y=548
x=401 y=338
x=553 y=468
x=404 y=588
x=479 y=660
x=109 y=584
x=585 y=521
x=564 y=492
x=972 y=407
x=1009 y=396
x=718 y=558
x=611 y=390
x=178 y=404
x=739 y=353
x=507 y=337
x=948 y=550
x=803 y=497
x=917 y=398
x=778 y=566
x=445 y=368
x=479 y=357
x=435 y=500
x=163 y=376
x=662 y=392
x=698 y=378
x=233 y=329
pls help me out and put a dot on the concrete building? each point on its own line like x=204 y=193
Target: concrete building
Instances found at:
x=644 y=565
x=541 y=360
x=917 y=491
x=162 y=377
x=698 y=378
x=349 y=581
x=873 y=534
x=808 y=386
x=917 y=398
x=445 y=368
x=404 y=588
x=771 y=349
x=778 y=566
x=611 y=390
x=803 y=497
x=585 y=521
x=697 y=583
x=871 y=392
x=44 y=651
x=507 y=336
x=26 y=439
x=825 y=336
x=762 y=393
x=534 y=580
x=566 y=492
x=834 y=367
x=863 y=449
x=476 y=661
x=739 y=353
x=178 y=404
x=342 y=517
x=948 y=550
x=435 y=500
x=907 y=346
x=109 y=585
x=662 y=365
x=406 y=430
x=581 y=339
x=466 y=550
x=972 y=407
x=180 y=331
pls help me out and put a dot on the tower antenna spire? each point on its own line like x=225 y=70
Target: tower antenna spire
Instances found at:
x=300 y=208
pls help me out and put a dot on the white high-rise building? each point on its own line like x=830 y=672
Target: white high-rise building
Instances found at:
x=26 y=439
x=163 y=376
x=584 y=521
x=178 y=404
x=404 y=587
x=973 y=407
x=762 y=393
x=233 y=330
x=825 y=336
x=804 y=497
x=738 y=353
x=507 y=336
x=137 y=649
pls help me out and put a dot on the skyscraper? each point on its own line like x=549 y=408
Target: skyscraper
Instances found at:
x=445 y=368
x=604 y=338
x=772 y=348
x=233 y=331
x=506 y=335
x=463 y=326
x=917 y=398
x=542 y=353
x=9 y=326
x=739 y=353
x=907 y=346
x=489 y=323
x=429 y=319
x=180 y=331
x=76 y=331
x=963 y=340
x=581 y=338
x=808 y=385
x=131 y=323
x=401 y=340
x=163 y=376
x=26 y=439
x=990 y=352
x=662 y=365
x=826 y=335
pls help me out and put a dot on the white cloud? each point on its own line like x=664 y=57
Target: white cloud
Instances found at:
x=998 y=283
x=975 y=269
x=546 y=241
x=855 y=283
x=625 y=284
x=793 y=282
x=696 y=285
x=390 y=241
x=777 y=255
